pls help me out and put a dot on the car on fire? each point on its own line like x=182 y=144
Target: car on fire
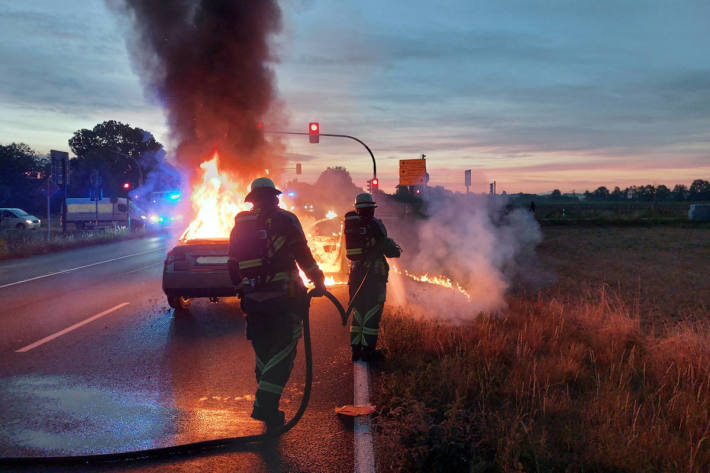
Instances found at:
x=197 y=268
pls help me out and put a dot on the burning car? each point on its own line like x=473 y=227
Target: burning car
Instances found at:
x=197 y=268
x=197 y=265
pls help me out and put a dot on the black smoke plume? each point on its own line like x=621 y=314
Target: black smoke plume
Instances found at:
x=207 y=61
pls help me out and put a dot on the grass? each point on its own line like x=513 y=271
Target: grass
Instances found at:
x=584 y=376
x=19 y=244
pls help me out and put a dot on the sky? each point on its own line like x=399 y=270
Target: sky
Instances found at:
x=537 y=95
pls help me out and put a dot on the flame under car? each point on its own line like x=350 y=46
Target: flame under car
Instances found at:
x=197 y=268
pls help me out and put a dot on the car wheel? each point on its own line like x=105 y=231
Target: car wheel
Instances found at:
x=178 y=303
x=20 y=226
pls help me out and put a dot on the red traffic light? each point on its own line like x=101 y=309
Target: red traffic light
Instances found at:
x=374 y=188
x=313 y=132
x=126 y=185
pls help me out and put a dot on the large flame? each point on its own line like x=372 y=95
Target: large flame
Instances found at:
x=217 y=199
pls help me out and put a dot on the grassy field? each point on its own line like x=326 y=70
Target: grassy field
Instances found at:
x=607 y=370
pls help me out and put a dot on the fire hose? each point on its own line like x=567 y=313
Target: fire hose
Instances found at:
x=216 y=445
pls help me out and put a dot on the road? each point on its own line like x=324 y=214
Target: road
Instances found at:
x=94 y=361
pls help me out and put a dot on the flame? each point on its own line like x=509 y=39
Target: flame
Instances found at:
x=216 y=201
x=218 y=198
x=437 y=280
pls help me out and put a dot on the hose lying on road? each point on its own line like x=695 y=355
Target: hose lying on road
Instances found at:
x=215 y=445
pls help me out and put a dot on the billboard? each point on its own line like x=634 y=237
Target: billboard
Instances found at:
x=412 y=172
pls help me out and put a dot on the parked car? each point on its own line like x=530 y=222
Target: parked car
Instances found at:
x=18 y=219
x=197 y=268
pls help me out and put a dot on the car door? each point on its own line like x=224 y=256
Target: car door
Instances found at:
x=8 y=219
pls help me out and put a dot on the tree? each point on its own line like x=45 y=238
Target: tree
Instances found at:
x=556 y=194
x=663 y=193
x=20 y=170
x=601 y=193
x=120 y=152
x=336 y=188
x=617 y=194
x=700 y=190
x=680 y=192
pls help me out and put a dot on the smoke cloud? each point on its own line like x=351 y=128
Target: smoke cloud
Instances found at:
x=207 y=61
x=476 y=242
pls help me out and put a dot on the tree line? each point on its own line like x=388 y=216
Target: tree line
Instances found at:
x=699 y=190
x=118 y=152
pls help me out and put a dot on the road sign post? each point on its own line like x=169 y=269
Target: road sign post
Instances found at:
x=467 y=179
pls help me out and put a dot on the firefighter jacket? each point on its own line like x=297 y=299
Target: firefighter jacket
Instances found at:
x=376 y=247
x=264 y=247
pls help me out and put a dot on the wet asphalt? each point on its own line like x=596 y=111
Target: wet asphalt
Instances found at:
x=142 y=376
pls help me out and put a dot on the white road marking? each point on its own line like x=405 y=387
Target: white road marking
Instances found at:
x=78 y=267
x=364 y=450
x=69 y=329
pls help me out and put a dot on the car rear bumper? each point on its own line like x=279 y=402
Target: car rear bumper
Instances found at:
x=190 y=284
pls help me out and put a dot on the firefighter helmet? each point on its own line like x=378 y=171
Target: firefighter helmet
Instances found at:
x=364 y=200
x=261 y=185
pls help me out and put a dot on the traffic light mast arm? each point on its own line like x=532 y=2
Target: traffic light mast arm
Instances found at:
x=374 y=164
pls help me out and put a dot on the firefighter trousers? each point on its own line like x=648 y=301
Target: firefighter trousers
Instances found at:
x=367 y=310
x=274 y=338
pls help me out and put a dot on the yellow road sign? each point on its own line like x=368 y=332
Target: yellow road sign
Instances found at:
x=412 y=172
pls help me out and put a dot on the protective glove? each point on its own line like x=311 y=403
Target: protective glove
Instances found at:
x=319 y=282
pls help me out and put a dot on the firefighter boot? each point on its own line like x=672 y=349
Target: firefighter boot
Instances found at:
x=267 y=411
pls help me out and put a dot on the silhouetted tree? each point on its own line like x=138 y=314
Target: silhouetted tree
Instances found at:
x=663 y=193
x=119 y=151
x=699 y=190
x=601 y=193
x=19 y=183
x=680 y=192
x=617 y=194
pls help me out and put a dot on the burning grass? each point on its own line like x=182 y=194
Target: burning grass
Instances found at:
x=567 y=379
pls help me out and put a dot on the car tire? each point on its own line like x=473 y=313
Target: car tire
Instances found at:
x=20 y=226
x=178 y=303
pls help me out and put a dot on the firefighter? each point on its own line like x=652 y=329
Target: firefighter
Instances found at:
x=264 y=247
x=367 y=245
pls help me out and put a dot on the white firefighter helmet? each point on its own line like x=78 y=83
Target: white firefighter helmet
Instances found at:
x=261 y=185
x=364 y=200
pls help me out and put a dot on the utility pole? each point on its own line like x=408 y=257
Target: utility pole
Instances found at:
x=49 y=215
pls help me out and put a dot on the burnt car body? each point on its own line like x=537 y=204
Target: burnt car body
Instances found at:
x=197 y=268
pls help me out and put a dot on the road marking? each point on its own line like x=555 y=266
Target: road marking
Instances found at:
x=69 y=329
x=78 y=267
x=364 y=451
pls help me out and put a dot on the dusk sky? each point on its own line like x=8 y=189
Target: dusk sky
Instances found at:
x=536 y=95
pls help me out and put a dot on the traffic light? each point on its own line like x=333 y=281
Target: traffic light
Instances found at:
x=126 y=185
x=313 y=132
x=374 y=185
x=369 y=186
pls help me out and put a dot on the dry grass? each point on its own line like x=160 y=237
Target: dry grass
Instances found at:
x=14 y=244
x=559 y=382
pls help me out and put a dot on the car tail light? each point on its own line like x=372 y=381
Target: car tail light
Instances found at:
x=174 y=256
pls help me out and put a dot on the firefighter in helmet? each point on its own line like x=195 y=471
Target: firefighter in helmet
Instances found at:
x=367 y=245
x=265 y=245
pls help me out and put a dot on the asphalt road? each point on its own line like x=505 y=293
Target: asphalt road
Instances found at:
x=131 y=374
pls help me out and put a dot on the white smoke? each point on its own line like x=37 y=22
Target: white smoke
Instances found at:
x=477 y=242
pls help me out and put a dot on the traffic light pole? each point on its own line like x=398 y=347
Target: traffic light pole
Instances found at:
x=374 y=164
